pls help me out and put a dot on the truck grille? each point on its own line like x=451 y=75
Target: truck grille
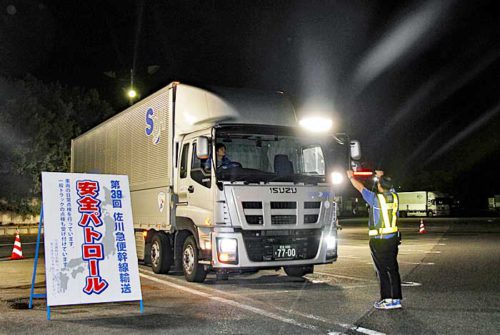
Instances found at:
x=254 y=219
x=280 y=212
x=283 y=219
x=251 y=204
x=311 y=218
x=312 y=204
x=259 y=243
x=283 y=205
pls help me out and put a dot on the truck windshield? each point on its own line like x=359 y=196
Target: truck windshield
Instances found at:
x=269 y=154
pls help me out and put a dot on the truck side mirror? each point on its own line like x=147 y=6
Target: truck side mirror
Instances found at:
x=202 y=148
x=355 y=150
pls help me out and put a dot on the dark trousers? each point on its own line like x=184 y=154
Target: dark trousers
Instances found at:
x=384 y=254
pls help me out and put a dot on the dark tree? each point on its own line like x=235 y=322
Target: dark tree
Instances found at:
x=37 y=122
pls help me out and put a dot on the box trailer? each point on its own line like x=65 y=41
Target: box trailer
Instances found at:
x=423 y=203
x=272 y=206
x=494 y=203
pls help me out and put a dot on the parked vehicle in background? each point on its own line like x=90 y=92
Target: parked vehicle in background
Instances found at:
x=424 y=203
x=494 y=203
x=273 y=205
x=352 y=206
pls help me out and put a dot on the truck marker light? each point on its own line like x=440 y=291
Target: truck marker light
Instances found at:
x=226 y=258
x=145 y=233
x=206 y=245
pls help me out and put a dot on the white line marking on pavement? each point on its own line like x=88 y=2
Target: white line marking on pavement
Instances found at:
x=407 y=251
x=366 y=331
x=415 y=263
x=361 y=329
x=265 y=313
x=309 y=316
x=344 y=277
x=232 y=303
x=410 y=284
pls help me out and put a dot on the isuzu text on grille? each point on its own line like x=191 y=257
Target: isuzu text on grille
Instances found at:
x=283 y=189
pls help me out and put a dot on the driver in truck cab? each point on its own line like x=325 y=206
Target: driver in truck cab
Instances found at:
x=222 y=159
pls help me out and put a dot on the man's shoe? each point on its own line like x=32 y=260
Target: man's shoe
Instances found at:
x=388 y=304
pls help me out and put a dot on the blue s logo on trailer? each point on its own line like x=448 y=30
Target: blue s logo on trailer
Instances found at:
x=152 y=125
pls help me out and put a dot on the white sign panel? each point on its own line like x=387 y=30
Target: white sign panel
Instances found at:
x=90 y=254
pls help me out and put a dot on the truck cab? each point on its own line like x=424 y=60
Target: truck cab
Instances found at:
x=270 y=205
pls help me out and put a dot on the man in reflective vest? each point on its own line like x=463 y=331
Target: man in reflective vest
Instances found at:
x=384 y=237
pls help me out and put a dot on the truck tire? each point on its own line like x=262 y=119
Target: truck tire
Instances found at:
x=161 y=253
x=430 y=214
x=298 y=271
x=193 y=271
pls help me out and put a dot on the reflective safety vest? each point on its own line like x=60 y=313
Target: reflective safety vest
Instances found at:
x=386 y=210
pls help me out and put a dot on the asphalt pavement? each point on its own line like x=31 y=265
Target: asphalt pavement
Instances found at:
x=450 y=286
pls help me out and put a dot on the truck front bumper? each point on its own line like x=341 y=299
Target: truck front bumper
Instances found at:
x=273 y=248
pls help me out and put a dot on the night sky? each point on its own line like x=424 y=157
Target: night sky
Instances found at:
x=417 y=82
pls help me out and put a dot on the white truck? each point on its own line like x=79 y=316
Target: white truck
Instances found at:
x=272 y=206
x=494 y=203
x=423 y=203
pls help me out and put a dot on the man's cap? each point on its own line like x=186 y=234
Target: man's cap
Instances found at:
x=386 y=182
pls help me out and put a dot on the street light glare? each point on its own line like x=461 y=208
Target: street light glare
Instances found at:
x=316 y=124
x=132 y=93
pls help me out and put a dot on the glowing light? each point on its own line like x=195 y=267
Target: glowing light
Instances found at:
x=227 y=250
x=316 y=124
x=132 y=93
x=228 y=245
x=226 y=258
x=331 y=242
x=336 y=178
x=363 y=173
x=206 y=245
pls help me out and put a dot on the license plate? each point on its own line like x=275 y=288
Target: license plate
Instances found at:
x=285 y=252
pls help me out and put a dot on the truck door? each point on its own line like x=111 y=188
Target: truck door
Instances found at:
x=195 y=194
x=183 y=173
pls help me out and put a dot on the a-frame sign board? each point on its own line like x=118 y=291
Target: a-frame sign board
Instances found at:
x=89 y=242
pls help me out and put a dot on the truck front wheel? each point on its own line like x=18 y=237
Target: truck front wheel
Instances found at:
x=193 y=271
x=298 y=271
x=161 y=253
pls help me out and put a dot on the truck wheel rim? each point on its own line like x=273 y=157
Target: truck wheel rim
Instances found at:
x=188 y=259
x=155 y=254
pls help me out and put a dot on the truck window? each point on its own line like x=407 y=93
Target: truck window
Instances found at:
x=313 y=161
x=183 y=170
x=200 y=169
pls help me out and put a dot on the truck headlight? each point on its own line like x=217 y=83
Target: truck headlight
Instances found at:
x=227 y=250
x=336 y=178
x=331 y=242
x=331 y=246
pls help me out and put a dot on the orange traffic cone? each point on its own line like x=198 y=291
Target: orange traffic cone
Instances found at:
x=422 y=230
x=17 y=252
